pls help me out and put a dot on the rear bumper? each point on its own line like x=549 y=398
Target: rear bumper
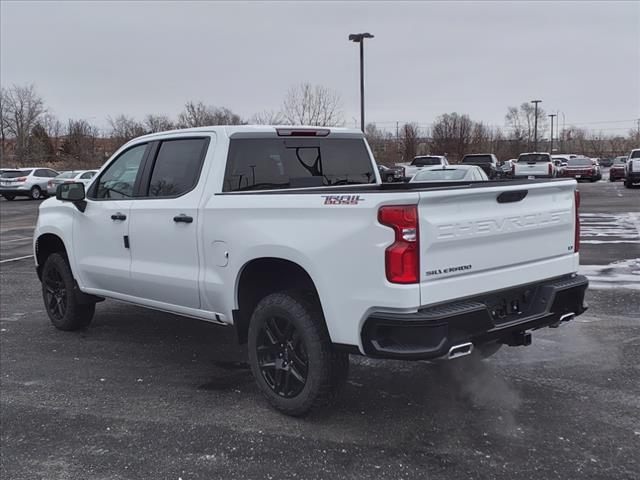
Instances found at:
x=519 y=175
x=14 y=191
x=496 y=316
x=580 y=176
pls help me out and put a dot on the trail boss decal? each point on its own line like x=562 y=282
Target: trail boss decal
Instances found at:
x=342 y=199
x=442 y=271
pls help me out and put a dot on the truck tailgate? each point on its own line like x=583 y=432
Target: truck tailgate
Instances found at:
x=533 y=169
x=475 y=240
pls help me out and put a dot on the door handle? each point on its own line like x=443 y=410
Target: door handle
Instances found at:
x=182 y=218
x=118 y=216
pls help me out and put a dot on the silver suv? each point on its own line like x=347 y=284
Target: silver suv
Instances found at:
x=25 y=182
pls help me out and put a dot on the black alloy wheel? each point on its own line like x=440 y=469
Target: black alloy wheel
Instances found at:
x=282 y=357
x=61 y=302
x=55 y=293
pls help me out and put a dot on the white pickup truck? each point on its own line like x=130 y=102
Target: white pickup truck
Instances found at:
x=534 y=165
x=632 y=169
x=423 y=161
x=289 y=235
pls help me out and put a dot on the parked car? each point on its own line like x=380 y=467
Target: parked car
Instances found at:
x=83 y=176
x=421 y=162
x=391 y=174
x=537 y=165
x=596 y=164
x=507 y=167
x=606 y=162
x=632 y=169
x=25 y=182
x=451 y=173
x=582 y=168
x=240 y=225
x=617 y=170
x=486 y=161
x=560 y=161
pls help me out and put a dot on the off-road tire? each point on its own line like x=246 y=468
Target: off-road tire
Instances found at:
x=63 y=308
x=327 y=370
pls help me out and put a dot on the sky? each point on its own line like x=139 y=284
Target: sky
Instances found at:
x=95 y=59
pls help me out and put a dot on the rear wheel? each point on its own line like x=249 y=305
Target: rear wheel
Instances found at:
x=35 y=193
x=291 y=356
x=390 y=178
x=628 y=184
x=9 y=197
x=58 y=292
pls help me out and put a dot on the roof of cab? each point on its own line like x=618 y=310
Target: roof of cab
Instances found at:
x=231 y=129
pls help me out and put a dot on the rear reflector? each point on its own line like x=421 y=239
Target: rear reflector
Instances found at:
x=402 y=258
x=290 y=132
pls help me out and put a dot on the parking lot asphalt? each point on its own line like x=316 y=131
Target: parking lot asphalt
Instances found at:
x=144 y=394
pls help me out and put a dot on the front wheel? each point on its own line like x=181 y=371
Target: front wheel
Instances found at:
x=58 y=293
x=9 y=197
x=291 y=356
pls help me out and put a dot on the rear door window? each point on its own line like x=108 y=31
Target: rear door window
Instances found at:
x=177 y=167
x=281 y=163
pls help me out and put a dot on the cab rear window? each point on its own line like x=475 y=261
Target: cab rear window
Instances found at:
x=281 y=163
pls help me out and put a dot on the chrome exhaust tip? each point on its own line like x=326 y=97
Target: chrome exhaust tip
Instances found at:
x=460 y=350
x=567 y=316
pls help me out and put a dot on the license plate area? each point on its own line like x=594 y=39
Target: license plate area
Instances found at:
x=509 y=306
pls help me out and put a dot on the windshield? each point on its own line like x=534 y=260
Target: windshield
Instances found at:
x=534 y=158
x=67 y=175
x=446 y=175
x=620 y=160
x=16 y=174
x=425 y=161
x=275 y=163
x=575 y=162
x=477 y=159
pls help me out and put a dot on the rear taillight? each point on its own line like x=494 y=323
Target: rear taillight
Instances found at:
x=576 y=240
x=402 y=258
x=550 y=169
x=49 y=183
x=21 y=179
x=513 y=168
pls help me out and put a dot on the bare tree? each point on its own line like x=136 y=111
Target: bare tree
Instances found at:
x=3 y=121
x=306 y=104
x=268 y=117
x=79 y=144
x=409 y=140
x=521 y=121
x=201 y=115
x=157 y=123
x=123 y=129
x=451 y=133
x=23 y=109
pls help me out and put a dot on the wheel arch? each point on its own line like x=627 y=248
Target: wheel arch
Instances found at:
x=45 y=245
x=260 y=277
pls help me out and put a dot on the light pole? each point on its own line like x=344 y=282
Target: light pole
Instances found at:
x=359 y=38
x=535 y=125
x=551 y=146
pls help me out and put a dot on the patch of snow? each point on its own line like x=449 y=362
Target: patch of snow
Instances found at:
x=622 y=274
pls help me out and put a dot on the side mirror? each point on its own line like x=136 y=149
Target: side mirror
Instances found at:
x=72 y=192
